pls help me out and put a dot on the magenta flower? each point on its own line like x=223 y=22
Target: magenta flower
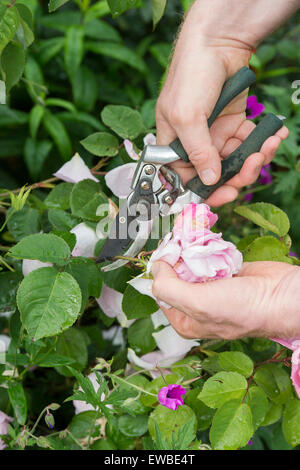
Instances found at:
x=265 y=177
x=170 y=396
x=253 y=108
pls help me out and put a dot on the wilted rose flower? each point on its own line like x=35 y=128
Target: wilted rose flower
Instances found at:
x=171 y=396
x=4 y=422
x=75 y=170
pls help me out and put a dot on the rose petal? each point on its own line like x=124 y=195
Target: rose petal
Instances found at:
x=29 y=265
x=171 y=344
x=119 y=179
x=75 y=170
x=295 y=375
x=150 y=139
x=86 y=239
x=159 y=319
x=129 y=149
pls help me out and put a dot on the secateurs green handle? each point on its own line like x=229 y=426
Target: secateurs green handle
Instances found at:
x=269 y=125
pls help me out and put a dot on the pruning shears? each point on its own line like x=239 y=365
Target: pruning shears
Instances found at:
x=151 y=196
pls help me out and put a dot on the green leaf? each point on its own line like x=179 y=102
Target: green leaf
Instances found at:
x=124 y=121
x=49 y=48
x=35 y=79
x=24 y=222
x=52 y=360
x=9 y=22
x=158 y=9
x=273 y=414
x=62 y=220
x=9 y=283
x=133 y=427
x=222 y=387
x=49 y=302
x=258 y=402
x=35 y=118
x=170 y=422
x=289 y=49
x=59 y=197
x=136 y=305
x=72 y=345
x=88 y=277
x=275 y=382
x=83 y=424
x=101 y=144
x=68 y=237
x=18 y=401
x=55 y=4
x=45 y=247
x=148 y=113
x=231 y=426
x=57 y=131
x=162 y=52
x=265 y=53
x=86 y=196
x=266 y=249
x=117 y=7
x=58 y=102
x=267 y=216
x=234 y=361
x=140 y=336
x=203 y=413
x=25 y=33
x=118 y=52
x=291 y=422
x=97 y=29
x=85 y=88
x=73 y=51
x=12 y=64
x=35 y=155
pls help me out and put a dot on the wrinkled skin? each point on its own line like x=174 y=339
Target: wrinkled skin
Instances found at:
x=261 y=301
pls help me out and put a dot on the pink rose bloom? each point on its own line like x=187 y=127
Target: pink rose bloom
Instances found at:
x=295 y=376
x=193 y=219
x=4 y=421
x=196 y=253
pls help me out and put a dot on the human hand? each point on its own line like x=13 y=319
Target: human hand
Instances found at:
x=204 y=58
x=261 y=301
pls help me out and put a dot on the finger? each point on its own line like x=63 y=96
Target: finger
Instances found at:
x=164 y=132
x=222 y=196
x=184 y=325
x=197 y=142
x=168 y=287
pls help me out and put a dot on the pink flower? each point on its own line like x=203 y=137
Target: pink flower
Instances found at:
x=4 y=422
x=75 y=170
x=193 y=219
x=254 y=108
x=170 y=396
x=196 y=253
x=295 y=376
x=119 y=180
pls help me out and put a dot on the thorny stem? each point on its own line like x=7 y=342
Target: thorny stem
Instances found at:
x=274 y=359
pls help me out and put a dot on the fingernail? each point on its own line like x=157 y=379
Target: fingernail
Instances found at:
x=155 y=269
x=208 y=176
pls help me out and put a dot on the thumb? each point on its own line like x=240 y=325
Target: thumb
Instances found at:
x=197 y=142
